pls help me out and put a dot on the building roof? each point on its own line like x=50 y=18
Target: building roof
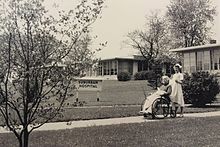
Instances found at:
x=195 y=47
x=130 y=58
x=94 y=78
x=134 y=57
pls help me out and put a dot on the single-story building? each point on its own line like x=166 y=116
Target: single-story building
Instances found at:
x=200 y=58
x=109 y=68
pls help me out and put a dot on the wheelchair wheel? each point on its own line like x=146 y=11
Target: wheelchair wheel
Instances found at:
x=160 y=108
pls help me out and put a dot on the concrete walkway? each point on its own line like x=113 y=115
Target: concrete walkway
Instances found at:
x=111 y=121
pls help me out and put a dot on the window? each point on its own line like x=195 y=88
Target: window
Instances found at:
x=206 y=60
x=145 y=65
x=113 y=67
x=211 y=59
x=142 y=65
x=199 y=62
x=140 y=68
x=216 y=58
x=116 y=67
x=100 y=69
x=186 y=62
x=110 y=67
x=192 y=59
x=105 y=68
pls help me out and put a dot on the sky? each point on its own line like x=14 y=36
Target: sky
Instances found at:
x=119 y=17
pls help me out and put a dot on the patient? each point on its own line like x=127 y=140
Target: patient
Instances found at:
x=164 y=90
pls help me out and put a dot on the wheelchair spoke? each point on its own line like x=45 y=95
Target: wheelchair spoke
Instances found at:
x=160 y=108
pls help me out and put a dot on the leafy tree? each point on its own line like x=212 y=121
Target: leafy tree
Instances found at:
x=190 y=21
x=36 y=60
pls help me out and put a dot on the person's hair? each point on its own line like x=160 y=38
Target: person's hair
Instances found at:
x=178 y=68
x=165 y=80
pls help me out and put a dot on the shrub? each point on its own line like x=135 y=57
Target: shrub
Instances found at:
x=124 y=76
x=145 y=75
x=152 y=77
x=138 y=76
x=142 y=75
x=200 y=88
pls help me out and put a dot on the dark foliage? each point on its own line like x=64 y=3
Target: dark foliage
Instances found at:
x=142 y=75
x=200 y=88
x=124 y=76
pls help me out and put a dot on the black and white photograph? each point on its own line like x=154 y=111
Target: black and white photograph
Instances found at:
x=109 y=73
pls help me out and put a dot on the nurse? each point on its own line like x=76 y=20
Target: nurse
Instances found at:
x=176 y=95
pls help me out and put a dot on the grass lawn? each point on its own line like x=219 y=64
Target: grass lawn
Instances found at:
x=117 y=111
x=86 y=113
x=115 y=93
x=169 y=132
x=123 y=99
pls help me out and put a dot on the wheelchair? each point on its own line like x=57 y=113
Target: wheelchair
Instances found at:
x=161 y=108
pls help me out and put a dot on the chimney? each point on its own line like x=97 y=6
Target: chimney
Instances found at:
x=213 y=41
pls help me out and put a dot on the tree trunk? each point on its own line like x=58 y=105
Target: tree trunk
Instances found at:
x=20 y=141
x=25 y=138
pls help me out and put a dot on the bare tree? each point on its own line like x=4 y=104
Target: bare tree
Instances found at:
x=190 y=21
x=150 y=42
x=36 y=78
x=82 y=57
